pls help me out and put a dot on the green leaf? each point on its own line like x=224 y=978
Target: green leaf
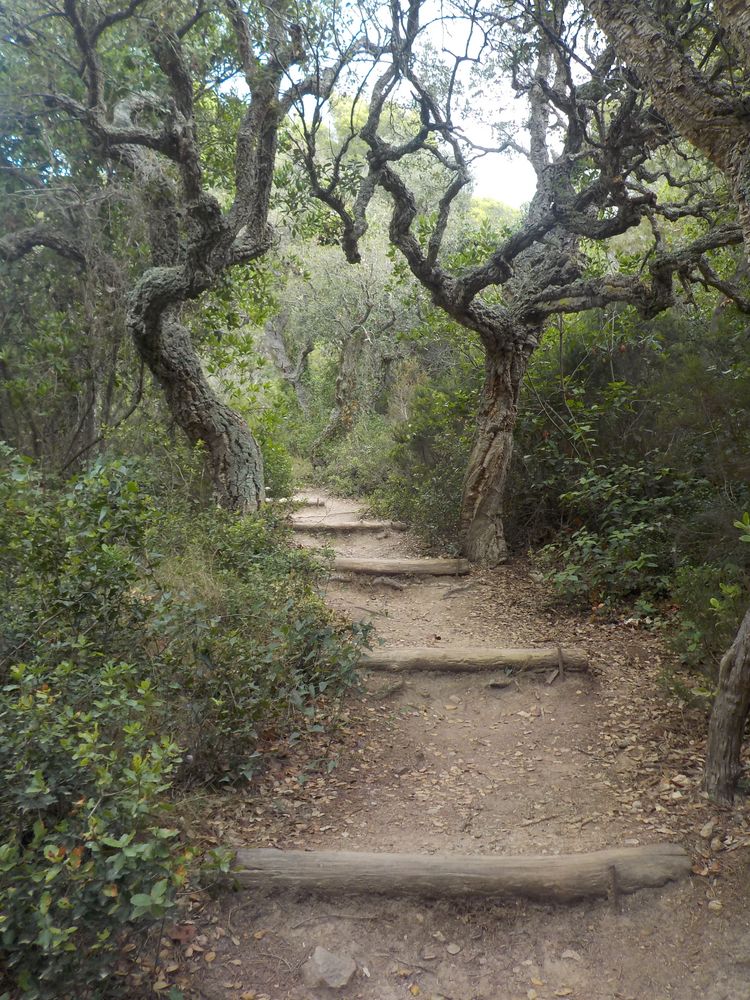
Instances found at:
x=141 y=901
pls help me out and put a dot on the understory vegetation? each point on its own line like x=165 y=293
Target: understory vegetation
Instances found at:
x=149 y=645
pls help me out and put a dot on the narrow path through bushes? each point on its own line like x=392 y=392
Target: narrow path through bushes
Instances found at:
x=439 y=763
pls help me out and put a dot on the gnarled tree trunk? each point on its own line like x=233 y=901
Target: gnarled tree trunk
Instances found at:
x=714 y=120
x=726 y=729
x=233 y=456
x=483 y=538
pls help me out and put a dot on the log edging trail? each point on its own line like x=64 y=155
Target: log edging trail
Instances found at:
x=470 y=659
x=548 y=878
x=405 y=567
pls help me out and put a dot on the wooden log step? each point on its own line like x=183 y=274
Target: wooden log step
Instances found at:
x=301 y=500
x=561 y=878
x=409 y=567
x=299 y=524
x=469 y=659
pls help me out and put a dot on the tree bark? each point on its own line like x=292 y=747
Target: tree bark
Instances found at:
x=346 y=403
x=713 y=120
x=734 y=17
x=726 y=729
x=561 y=878
x=483 y=538
x=292 y=372
x=233 y=456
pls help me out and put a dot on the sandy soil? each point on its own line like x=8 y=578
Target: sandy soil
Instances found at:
x=438 y=763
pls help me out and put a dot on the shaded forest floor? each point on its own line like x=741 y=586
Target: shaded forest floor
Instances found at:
x=437 y=763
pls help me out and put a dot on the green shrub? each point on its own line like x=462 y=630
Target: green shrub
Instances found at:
x=218 y=611
x=710 y=601
x=143 y=644
x=277 y=461
x=358 y=463
x=625 y=545
x=428 y=463
x=248 y=645
x=84 y=851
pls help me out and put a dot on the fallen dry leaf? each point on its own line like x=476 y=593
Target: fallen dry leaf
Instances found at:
x=181 y=933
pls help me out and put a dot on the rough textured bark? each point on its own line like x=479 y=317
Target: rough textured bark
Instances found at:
x=149 y=141
x=734 y=17
x=560 y=878
x=345 y=402
x=292 y=372
x=710 y=116
x=729 y=716
x=484 y=485
x=232 y=453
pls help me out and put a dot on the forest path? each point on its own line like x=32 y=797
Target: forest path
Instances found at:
x=440 y=763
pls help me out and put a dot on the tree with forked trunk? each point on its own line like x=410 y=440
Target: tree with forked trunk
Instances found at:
x=134 y=135
x=605 y=165
x=694 y=61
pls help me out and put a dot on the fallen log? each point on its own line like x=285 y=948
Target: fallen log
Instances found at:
x=471 y=659
x=561 y=878
x=408 y=567
x=300 y=524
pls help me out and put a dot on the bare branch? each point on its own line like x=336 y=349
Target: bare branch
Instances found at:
x=16 y=245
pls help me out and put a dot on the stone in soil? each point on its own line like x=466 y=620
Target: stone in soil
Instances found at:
x=326 y=968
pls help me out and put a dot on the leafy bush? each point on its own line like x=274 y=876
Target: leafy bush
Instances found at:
x=84 y=852
x=710 y=600
x=247 y=645
x=358 y=463
x=625 y=545
x=268 y=428
x=144 y=644
x=428 y=464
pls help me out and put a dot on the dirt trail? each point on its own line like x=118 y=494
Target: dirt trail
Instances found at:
x=439 y=763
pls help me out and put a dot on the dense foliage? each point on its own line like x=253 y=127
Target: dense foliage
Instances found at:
x=145 y=646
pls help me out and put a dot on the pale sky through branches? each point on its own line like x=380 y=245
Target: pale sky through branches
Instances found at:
x=504 y=177
x=507 y=177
